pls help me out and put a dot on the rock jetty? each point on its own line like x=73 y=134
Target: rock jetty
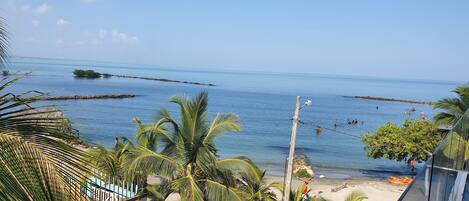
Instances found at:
x=79 y=97
x=391 y=100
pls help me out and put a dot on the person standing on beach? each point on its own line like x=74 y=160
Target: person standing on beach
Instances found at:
x=116 y=143
x=422 y=115
x=411 y=164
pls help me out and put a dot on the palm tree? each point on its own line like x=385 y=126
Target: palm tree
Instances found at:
x=36 y=163
x=261 y=190
x=110 y=162
x=356 y=196
x=452 y=108
x=298 y=195
x=188 y=161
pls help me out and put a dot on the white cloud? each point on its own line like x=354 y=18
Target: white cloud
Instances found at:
x=62 y=22
x=43 y=8
x=122 y=38
x=106 y=36
x=36 y=23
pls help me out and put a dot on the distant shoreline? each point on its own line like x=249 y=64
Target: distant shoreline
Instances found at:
x=391 y=100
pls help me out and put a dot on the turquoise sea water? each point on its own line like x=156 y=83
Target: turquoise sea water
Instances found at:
x=264 y=102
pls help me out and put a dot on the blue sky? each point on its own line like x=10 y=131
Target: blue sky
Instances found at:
x=402 y=39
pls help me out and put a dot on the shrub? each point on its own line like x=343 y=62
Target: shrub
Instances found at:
x=302 y=173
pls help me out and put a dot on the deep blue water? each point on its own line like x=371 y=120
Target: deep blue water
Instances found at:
x=264 y=102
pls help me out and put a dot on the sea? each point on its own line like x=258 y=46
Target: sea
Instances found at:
x=264 y=101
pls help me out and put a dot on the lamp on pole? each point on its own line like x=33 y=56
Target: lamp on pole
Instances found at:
x=291 y=155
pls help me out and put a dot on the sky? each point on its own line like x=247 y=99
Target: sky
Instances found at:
x=400 y=39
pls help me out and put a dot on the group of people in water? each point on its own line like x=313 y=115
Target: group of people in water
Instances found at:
x=335 y=125
x=353 y=121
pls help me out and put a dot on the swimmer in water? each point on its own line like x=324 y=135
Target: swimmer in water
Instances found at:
x=318 y=130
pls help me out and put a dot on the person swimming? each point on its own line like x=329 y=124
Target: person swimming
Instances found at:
x=318 y=130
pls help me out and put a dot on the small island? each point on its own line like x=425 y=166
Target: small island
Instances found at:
x=90 y=74
x=391 y=100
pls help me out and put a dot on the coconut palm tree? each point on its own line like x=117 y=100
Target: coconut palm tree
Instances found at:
x=261 y=190
x=36 y=163
x=110 y=162
x=452 y=108
x=188 y=160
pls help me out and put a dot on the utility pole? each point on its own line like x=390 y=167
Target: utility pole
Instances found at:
x=291 y=156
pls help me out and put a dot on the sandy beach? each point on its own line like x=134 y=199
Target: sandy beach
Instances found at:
x=375 y=189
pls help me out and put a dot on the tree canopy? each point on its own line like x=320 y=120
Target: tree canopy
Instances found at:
x=414 y=140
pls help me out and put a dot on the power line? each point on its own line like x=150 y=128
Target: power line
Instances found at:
x=335 y=131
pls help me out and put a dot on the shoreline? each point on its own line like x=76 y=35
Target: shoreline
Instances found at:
x=375 y=189
x=335 y=173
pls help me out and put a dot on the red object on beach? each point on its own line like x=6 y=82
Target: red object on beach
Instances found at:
x=400 y=181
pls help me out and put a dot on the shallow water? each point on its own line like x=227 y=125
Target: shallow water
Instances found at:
x=264 y=102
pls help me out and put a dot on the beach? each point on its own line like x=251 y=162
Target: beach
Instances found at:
x=375 y=189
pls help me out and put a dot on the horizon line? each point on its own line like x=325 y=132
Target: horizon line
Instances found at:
x=205 y=69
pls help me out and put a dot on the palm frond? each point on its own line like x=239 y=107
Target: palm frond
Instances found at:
x=110 y=163
x=452 y=108
x=149 y=135
x=157 y=192
x=219 y=192
x=242 y=165
x=356 y=196
x=35 y=150
x=221 y=124
x=145 y=161
x=27 y=173
x=188 y=189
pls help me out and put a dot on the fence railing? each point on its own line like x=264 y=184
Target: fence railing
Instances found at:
x=109 y=189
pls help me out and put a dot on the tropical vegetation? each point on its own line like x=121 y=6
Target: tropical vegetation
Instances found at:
x=452 y=109
x=302 y=194
x=89 y=74
x=181 y=152
x=36 y=163
x=415 y=140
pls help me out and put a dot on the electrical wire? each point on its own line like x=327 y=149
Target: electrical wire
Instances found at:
x=335 y=131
